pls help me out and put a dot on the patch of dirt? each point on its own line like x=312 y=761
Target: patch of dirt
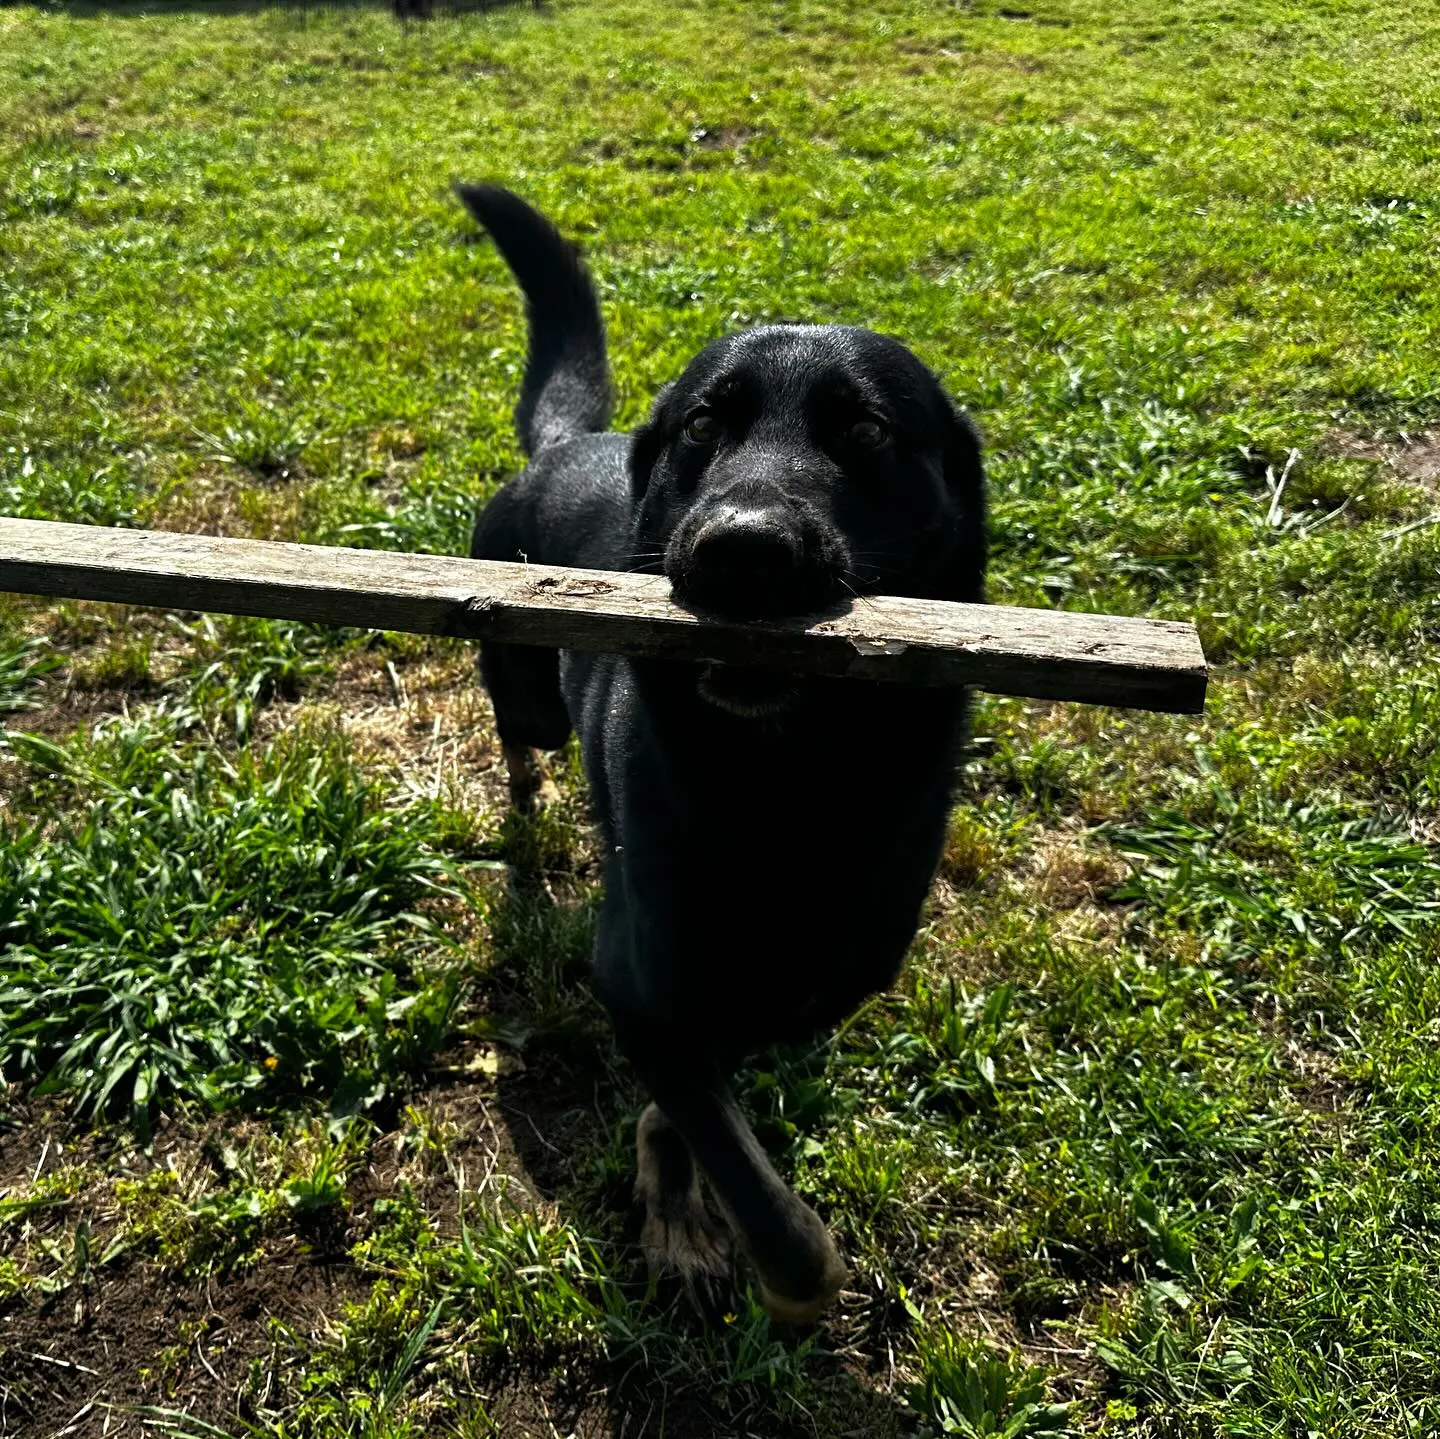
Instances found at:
x=594 y=1406
x=131 y=1333
x=73 y=1361
x=1320 y=1086
x=29 y=1131
x=228 y=501
x=549 y=1126
x=534 y=1408
x=1415 y=458
x=722 y=137
x=1061 y=1347
x=1067 y=874
x=142 y=1339
x=479 y=1152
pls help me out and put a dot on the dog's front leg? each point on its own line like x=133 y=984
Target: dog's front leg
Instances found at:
x=796 y=1262
x=681 y=1238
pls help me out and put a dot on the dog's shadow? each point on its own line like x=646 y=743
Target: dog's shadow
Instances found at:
x=560 y=1094
x=567 y=1105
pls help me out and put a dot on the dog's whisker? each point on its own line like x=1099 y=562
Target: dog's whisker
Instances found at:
x=861 y=596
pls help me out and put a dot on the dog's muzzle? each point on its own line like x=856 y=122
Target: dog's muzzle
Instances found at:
x=753 y=564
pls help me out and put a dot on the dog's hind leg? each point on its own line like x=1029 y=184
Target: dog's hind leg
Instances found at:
x=681 y=1237
x=524 y=686
x=529 y=786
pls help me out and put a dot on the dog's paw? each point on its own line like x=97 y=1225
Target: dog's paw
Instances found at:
x=809 y=1273
x=786 y=1309
x=684 y=1242
x=531 y=789
x=689 y=1247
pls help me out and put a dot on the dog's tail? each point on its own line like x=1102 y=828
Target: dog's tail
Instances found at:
x=567 y=378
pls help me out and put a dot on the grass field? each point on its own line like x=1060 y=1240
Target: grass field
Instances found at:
x=311 y=1128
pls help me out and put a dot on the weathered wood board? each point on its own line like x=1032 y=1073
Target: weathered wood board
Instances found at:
x=1044 y=654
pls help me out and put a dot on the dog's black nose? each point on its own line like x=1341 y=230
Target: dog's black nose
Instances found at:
x=745 y=546
x=753 y=563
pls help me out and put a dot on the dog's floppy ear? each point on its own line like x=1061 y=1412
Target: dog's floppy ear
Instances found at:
x=646 y=446
x=964 y=475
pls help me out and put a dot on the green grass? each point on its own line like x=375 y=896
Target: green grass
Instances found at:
x=22 y=666
x=216 y=925
x=1149 y=1129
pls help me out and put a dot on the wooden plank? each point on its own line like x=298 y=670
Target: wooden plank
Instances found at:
x=1044 y=654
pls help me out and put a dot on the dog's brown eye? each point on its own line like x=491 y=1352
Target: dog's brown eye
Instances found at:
x=702 y=428
x=868 y=434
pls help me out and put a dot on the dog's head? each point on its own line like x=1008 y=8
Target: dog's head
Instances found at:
x=792 y=466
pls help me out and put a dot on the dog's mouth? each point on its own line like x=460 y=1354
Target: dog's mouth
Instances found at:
x=754 y=564
x=743 y=597
x=747 y=693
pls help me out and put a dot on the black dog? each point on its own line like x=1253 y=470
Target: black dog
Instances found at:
x=770 y=841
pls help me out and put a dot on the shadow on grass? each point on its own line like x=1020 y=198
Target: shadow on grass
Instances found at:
x=564 y=1105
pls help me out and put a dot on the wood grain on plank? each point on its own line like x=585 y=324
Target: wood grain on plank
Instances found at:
x=1043 y=654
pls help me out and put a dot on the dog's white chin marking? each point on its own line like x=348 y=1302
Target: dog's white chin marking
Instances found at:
x=713 y=690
